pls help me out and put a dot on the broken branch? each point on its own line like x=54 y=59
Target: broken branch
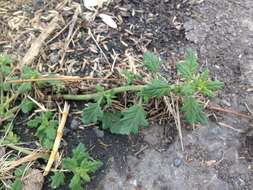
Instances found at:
x=57 y=139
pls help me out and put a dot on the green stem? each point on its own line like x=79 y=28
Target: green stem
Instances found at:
x=133 y=88
x=11 y=113
x=18 y=148
x=26 y=150
x=1 y=90
x=8 y=101
x=14 y=109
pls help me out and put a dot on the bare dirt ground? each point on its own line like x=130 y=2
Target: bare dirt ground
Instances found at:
x=217 y=156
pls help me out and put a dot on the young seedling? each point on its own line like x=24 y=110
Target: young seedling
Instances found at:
x=10 y=92
x=9 y=136
x=18 y=173
x=80 y=165
x=46 y=128
x=6 y=96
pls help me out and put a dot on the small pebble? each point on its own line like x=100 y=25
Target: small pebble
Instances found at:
x=241 y=183
x=66 y=131
x=38 y=4
x=54 y=58
x=225 y=102
x=2 y=151
x=177 y=162
x=98 y=132
x=75 y=123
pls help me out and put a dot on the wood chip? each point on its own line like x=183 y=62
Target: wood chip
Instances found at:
x=34 y=50
x=90 y=4
x=108 y=20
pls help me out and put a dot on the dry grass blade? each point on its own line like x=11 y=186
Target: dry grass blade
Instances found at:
x=230 y=127
x=57 y=139
x=178 y=123
x=70 y=36
x=13 y=164
x=59 y=33
x=41 y=106
x=61 y=78
x=215 y=108
x=98 y=46
x=37 y=44
x=174 y=111
x=249 y=110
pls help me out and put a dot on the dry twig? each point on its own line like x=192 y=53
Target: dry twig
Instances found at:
x=215 y=108
x=57 y=139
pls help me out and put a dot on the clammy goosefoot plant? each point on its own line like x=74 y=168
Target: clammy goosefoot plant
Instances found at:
x=191 y=84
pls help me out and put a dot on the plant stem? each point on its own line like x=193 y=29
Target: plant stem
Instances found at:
x=1 y=90
x=8 y=101
x=27 y=151
x=9 y=115
x=20 y=149
x=116 y=90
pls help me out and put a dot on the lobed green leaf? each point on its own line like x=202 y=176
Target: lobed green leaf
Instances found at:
x=70 y=164
x=76 y=183
x=152 y=62
x=157 y=88
x=92 y=113
x=20 y=171
x=129 y=75
x=207 y=87
x=188 y=67
x=80 y=153
x=29 y=73
x=27 y=106
x=46 y=128
x=10 y=138
x=57 y=179
x=5 y=59
x=81 y=165
x=193 y=111
x=25 y=87
x=133 y=118
x=17 y=184
x=111 y=121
